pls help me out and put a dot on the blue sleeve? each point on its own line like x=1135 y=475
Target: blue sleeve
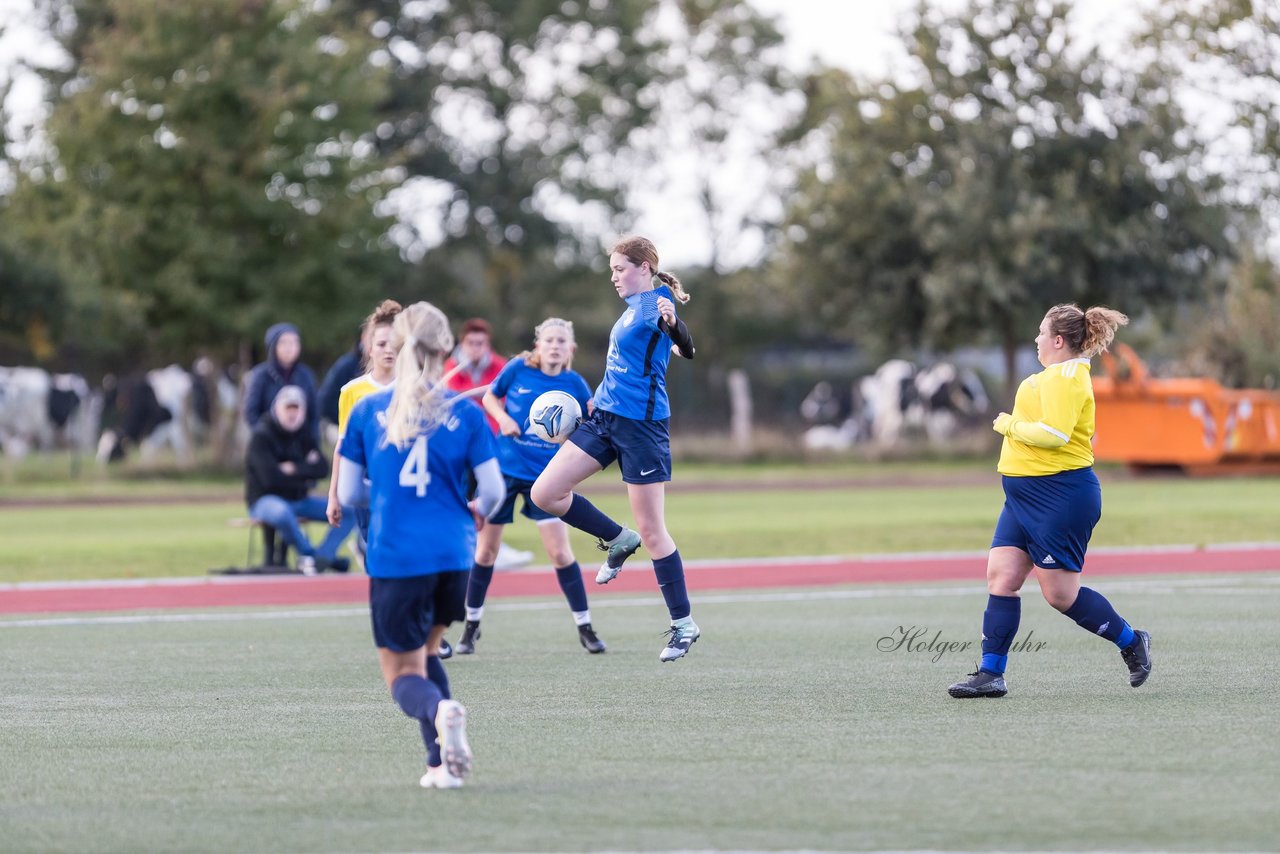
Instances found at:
x=483 y=446
x=581 y=392
x=649 y=315
x=502 y=383
x=352 y=444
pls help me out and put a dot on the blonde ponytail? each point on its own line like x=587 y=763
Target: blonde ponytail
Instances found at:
x=418 y=404
x=672 y=282
x=1101 y=324
x=1087 y=333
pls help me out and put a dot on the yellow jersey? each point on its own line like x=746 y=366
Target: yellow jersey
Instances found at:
x=1051 y=427
x=351 y=394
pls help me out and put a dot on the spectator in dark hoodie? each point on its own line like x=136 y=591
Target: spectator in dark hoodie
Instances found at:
x=283 y=367
x=347 y=367
x=283 y=463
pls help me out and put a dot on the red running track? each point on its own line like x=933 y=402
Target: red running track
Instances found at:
x=223 y=591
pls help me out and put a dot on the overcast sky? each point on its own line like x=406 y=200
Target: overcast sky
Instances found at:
x=855 y=34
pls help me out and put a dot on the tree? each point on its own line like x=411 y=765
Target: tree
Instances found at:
x=32 y=306
x=1225 y=58
x=1012 y=171
x=211 y=172
x=529 y=128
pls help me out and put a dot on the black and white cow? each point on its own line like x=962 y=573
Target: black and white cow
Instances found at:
x=168 y=407
x=43 y=411
x=947 y=398
x=939 y=400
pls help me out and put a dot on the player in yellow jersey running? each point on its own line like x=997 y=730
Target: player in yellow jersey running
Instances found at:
x=1052 y=500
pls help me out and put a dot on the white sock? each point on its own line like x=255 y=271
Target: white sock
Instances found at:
x=582 y=618
x=474 y=614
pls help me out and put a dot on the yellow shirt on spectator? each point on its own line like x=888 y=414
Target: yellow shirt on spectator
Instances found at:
x=1051 y=427
x=351 y=394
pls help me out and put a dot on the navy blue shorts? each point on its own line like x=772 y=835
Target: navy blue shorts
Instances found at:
x=1050 y=517
x=403 y=610
x=506 y=514
x=642 y=448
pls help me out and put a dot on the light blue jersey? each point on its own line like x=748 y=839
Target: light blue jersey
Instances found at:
x=420 y=523
x=635 y=374
x=524 y=457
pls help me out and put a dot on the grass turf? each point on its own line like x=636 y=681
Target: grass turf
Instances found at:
x=176 y=538
x=786 y=727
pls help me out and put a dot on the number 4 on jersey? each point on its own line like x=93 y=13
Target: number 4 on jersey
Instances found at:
x=414 y=473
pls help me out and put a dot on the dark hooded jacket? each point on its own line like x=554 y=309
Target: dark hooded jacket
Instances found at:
x=272 y=445
x=267 y=378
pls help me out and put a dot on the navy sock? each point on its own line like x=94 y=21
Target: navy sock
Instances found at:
x=416 y=696
x=999 y=625
x=429 y=739
x=670 y=573
x=1093 y=612
x=584 y=516
x=419 y=698
x=575 y=592
x=436 y=674
x=478 y=584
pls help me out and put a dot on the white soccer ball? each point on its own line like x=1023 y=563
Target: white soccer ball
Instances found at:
x=554 y=416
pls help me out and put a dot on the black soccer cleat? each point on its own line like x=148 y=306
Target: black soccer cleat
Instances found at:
x=446 y=650
x=1137 y=657
x=981 y=683
x=470 y=634
x=590 y=642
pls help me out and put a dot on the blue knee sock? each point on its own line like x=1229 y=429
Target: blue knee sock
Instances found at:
x=478 y=584
x=436 y=674
x=419 y=698
x=416 y=696
x=670 y=573
x=428 y=729
x=584 y=516
x=575 y=592
x=999 y=625
x=1092 y=611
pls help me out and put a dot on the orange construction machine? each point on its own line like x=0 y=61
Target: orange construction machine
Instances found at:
x=1194 y=424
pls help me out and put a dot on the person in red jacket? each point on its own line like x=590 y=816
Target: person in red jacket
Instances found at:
x=480 y=366
x=474 y=365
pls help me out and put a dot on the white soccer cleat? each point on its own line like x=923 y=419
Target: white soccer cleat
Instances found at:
x=451 y=734
x=511 y=558
x=626 y=544
x=439 y=778
x=680 y=638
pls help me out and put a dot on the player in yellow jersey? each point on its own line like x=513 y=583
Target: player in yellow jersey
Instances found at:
x=1052 y=500
x=380 y=367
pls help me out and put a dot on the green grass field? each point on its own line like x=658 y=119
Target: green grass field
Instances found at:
x=953 y=510
x=785 y=728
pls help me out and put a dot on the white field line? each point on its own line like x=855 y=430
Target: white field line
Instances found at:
x=892 y=557
x=1248 y=585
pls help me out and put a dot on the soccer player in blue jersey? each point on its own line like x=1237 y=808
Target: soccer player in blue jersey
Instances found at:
x=630 y=424
x=522 y=457
x=419 y=452
x=1052 y=501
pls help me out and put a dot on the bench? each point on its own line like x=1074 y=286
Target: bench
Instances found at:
x=275 y=551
